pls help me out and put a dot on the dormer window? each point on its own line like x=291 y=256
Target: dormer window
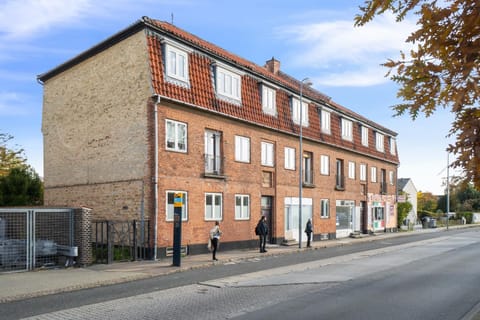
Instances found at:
x=346 y=129
x=176 y=64
x=296 y=112
x=228 y=85
x=392 y=145
x=379 y=141
x=269 y=104
x=364 y=133
x=325 y=118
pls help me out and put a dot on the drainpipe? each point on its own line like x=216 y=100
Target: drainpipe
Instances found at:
x=155 y=181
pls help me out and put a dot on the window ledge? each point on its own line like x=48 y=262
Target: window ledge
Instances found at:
x=308 y=185
x=339 y=188
x=214 y=176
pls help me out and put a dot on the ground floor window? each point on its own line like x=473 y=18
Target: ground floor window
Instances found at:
x=344 y=213
x=378 y=217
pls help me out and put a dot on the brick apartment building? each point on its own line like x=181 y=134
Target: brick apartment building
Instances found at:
x=154 y=110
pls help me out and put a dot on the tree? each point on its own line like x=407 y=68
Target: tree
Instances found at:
x=426 y=201
x=9 y=158
x=21 y=187
x=442 y=71
x=403 y=208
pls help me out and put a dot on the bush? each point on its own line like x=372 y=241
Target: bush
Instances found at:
x=468 y=216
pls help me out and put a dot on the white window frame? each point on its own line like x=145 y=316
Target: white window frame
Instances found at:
x=269 y=100
x=176 y=139
x=347 y=129
x=324 y=208
x=379 y=142
x=173 y=67
x=324 y=165
x=296 y=111
x=326 y=120
x=391 y=177
x=215 y=212
x=228 y=84
x=363 y=172
x=290 y=158
x=242 y=149
x=351 y=170
x=364 y=132
x=268 y=154
x=169 y=207
x=242 y=211
x=373 y=175
x=392 y=145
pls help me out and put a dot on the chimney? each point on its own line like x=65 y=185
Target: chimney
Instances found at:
x=273 y=65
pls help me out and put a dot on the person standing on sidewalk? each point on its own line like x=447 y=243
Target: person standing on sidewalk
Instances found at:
x=215 y=234
x=262 y=231
x=308 y=231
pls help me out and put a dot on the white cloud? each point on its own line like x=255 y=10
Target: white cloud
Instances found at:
x=26 y=18
x=335 y=46
x=11 y=103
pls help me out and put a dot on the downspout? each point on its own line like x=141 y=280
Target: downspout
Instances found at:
x=155 y=178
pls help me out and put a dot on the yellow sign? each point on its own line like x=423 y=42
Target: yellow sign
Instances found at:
x=178 y=200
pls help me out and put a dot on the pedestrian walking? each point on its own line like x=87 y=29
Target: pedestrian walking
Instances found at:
x=215 y=234
x=308 y=231
x=262 y=231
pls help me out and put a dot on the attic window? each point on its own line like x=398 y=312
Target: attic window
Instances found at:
x=269 y=104
x=176 y=65
x=228 y=85
x=296 y=112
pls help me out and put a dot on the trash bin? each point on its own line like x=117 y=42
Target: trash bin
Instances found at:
x=425 y=221
x=432 y=223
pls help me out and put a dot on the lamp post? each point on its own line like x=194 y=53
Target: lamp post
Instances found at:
x=306 y=82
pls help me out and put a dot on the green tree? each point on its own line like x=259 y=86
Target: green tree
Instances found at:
x=443 y=69
x=9 y=157
x=403 y=208
x=426 y=201
x=21 y=187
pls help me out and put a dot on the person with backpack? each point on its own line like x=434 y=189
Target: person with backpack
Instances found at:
x=262 y=231
x=308 y=231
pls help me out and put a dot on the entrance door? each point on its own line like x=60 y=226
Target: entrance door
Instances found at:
x=364 y=217
x=266 y=203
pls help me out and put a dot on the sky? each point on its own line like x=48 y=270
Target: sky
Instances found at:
x=311 y=38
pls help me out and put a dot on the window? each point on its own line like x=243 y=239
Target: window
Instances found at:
x=363 y=172
x=242 y=207
x=267 y=179
x=267 y=154
x=340 y=177
x=379 y=141
x=289 y=158
x=213 y=157
x=347 y=129
x=383 y=181
x=351 y=170
x=242 y=149
x=324 y=165
x=228 y=84
x=392 y=145
x=364 y=132
x=324 y=208
x=325 y=117
x=296 y=112
x=269 y=103
x=175 y=136
x=373 y=177
x=307 y=168
x=391 y=177
x=176 y=63
x=170 y=197
x=213 y=206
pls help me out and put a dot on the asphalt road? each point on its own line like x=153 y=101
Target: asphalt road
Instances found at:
x=425 y=276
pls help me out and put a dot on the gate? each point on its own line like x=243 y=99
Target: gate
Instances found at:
x=115 y=241
x=34 y=238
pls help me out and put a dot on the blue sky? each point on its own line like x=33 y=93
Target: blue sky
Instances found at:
x=311 y=38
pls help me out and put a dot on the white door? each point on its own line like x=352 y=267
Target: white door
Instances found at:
x=292 y=228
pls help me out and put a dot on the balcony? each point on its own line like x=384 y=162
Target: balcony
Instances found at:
x=213 y=166
x=340 y=182
x=383 y=187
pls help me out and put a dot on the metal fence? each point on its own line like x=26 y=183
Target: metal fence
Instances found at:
x=35 y=238
x=115 y=241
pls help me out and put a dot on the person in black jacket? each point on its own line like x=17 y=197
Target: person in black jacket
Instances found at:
x=308 y=231
x=262 y=231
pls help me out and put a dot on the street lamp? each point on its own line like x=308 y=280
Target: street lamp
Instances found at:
x=305 y=82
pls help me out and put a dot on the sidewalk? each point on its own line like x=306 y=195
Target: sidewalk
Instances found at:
x=22 y=285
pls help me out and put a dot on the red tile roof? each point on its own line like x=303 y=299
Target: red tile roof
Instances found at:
x=202 y=93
